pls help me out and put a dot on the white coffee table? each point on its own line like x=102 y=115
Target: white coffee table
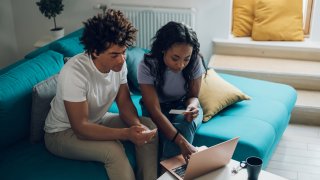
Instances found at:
x=224 y=173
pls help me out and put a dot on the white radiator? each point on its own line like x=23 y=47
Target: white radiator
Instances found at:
x=149 y=19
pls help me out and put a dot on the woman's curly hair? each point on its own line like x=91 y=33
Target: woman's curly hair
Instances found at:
x=166 y=36
x=101 y=31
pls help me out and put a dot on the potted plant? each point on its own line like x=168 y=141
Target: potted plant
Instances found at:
x=50 y=9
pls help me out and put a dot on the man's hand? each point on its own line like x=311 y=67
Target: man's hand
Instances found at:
x=140 y=134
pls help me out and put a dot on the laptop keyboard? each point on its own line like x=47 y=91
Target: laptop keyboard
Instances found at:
x=181 y=170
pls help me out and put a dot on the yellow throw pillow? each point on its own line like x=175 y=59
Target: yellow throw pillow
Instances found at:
x=216 y=94
x=278 y=20
x=243 y=15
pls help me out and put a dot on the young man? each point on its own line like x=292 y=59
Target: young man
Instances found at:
x=78 y=125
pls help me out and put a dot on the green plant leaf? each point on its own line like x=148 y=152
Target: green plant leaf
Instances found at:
x=50 y=8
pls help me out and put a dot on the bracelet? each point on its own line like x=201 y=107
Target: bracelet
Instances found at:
x=175 y=136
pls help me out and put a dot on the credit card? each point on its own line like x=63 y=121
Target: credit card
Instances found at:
x=177 y=111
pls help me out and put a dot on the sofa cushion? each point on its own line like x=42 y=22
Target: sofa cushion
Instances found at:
x=272 y=112
x=279 y=101
x=45 y=48
x=282 y=93
x=243 y=15
x=259 y=122
x=32 y=161
x=256 y=137
x=68 y=47
x=16 y=94
x=216 y=94
x=42 y=95
x=7 y=68
x=133 y=57
x=135 y=99
x=278 y=20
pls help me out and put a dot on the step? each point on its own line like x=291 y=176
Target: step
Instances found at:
x=300 y=74
x=307 y=108
x=245 y=46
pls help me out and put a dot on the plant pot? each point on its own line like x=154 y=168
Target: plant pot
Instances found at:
x=57 y=33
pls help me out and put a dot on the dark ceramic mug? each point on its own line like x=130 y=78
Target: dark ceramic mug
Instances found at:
x=253 y=165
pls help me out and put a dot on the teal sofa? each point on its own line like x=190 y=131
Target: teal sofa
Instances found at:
x=260 y=122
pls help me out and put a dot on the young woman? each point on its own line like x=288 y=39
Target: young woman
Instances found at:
x=170 y=78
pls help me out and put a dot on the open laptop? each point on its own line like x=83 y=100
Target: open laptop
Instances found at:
x=202 y=161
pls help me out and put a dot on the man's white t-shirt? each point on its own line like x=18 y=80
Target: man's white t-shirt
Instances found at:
x=80 y=80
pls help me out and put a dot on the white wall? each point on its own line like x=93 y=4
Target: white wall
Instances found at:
x=315 y=22
x=31 y=25
x=8 y=44
x=212 y=19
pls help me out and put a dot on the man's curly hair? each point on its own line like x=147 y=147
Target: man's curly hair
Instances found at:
x=101 y=31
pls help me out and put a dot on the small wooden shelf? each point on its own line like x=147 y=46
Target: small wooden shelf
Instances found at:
x=43 y=41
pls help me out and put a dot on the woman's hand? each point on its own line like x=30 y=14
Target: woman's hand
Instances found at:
x=191 y=113
x=186 y=149
x=140 y=134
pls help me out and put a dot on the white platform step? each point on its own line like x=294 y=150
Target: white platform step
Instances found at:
x=300 y=74
x=293 y=63
x=245 y=46
x=307 y=108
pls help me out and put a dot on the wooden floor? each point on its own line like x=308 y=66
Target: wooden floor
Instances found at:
x=297 y=156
